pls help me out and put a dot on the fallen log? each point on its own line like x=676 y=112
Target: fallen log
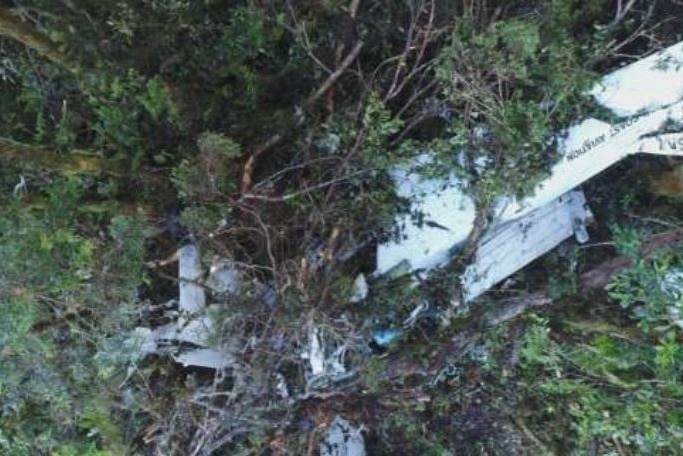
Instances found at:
x=591 y=282
x=72 y=163
x=597 y=278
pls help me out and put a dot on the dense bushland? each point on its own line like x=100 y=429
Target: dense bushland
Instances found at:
x=265 y=131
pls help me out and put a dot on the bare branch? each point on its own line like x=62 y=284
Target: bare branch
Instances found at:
x=346 y=63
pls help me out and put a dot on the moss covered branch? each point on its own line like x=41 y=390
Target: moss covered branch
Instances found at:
x=75 y=162
x=13 y=27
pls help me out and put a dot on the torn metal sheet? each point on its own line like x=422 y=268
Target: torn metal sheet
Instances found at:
x=143 y=341
x=360 y=289
x=588 y=149
x=666 y=144
x=197 y=331
x=196 y=324
x=316 y=354
x=511 y=246
x=206 y=357
x=447 y=218
x=343 y=440
x=224 y=277
x=324 y=368
x=192 y=297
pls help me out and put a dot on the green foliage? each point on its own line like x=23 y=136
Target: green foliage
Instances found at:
x=202 y=220
x=183 y=92
x=64 y=292
x=212 y=174
x=653 y=290
x=120 y=104
x=380 y=125
x=518 y=81
x=614 y=389
x=156 y=101
x=627 y=241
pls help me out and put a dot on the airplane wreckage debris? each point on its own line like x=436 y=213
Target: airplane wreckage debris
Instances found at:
x=194 y=324
x=648 y=93
x=343 y=440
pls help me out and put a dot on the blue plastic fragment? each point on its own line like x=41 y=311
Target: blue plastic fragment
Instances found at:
x=384 y=337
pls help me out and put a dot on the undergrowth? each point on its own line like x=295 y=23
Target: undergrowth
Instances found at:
x=266 y=133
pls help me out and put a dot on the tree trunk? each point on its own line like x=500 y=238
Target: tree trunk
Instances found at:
x=13 y=27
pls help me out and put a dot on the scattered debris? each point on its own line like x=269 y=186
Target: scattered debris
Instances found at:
x=195 y=325
x=360 y=289
x=196 y=331
x=20 y=188
x=671 y=284
x=143 y=341
x=415 y=314
x=316 y=354
x=269 y=296
x=324 y=369
x=206 y=357
x=343 y=440
x=223 y=277
x=385 y=336
x=281 y=387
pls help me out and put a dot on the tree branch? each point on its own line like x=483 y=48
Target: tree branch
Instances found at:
x=65 y=163
x=13 y=27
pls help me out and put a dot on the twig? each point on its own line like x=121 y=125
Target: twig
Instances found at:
x=269 y=243
x=247 y=174
x=404 y=57
x=289 y=196
x=653 y=220
x=528 y=434
x=172 y=258
x=597 y=278
x=353 y=8
x=397 y=87
x=272 y=178
x=337 y=73
x=513 y=307
x=622 y=11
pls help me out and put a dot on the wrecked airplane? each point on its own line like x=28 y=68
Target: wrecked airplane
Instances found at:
x=647 y=95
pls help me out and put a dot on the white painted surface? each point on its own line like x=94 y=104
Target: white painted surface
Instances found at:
x=649 y=91
x=323 y=367
x=360 y=289
x=588 y=149
x=666 y=144
x=197 y=331
x=142 y=341
x=192 y=297
x=205 y=357
x=646 y=85
x=343 y=439
x=224 y=277
x=509 y=247
x=316 y=353
x=448 y=218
